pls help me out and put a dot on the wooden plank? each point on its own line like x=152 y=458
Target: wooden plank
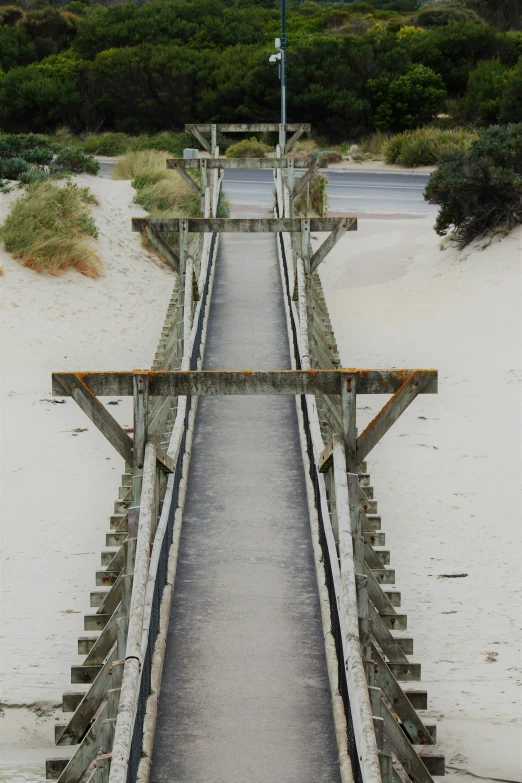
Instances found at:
x=301 y=183
x=71 y=700
x=402 y=748
x=95 y=622
x=54 y=768
x=349 y=390
x=87 y=751
x=413 y=726
x=239 y=163
x=197 y=132
x=348 y=224
x=417 y=698
x=90 y=703
x=382 y=635
x=403 y=397
x=161 y=246
x=73 y=386
x=292 y=140
x=164 y=383
x=239 y=225
x=174 y=163
x=105 y=641
x=325 y=461
x=356 y=681
x=248 y=127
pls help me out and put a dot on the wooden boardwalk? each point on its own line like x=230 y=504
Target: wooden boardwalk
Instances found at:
x=245 y=630
x=245 y=693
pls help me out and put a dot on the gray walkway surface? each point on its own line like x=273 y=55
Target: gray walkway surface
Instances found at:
x=245 y=695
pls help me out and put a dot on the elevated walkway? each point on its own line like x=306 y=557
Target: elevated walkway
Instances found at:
x=245 y=693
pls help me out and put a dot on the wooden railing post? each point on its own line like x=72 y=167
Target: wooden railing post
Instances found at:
x=141 y=411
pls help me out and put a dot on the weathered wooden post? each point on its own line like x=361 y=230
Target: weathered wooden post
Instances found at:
x=203 y=183
x=306 y=252
x=183 y=255
x=213 y=140
x=141 y=410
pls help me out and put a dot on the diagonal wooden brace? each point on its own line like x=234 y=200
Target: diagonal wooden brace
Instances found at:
x=292 y=140
x=161 y=246
x=301 y=184
x=199 y=136
x=412 y=386
x=348 y=224
x=98 y=414
x=187 y=179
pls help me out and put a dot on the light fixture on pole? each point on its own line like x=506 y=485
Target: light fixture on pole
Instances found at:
x=280 y=57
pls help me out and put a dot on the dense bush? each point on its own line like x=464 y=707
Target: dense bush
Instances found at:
x=486 y=86
x=248 y=148
x=144 y=68
x=440 y=17
x=511 y=103
x=410 y=99
x=75 y=160
x=424 y=146
x=480 y=189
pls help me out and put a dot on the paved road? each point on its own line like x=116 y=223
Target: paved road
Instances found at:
x=349 y=192
x=245 y=693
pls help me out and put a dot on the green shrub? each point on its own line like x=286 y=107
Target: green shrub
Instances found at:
x=511 y=103
x=74 y=159
x=486 y=86
x=248 y=148
x=424 y=146
x=105 y=144
x=49 y=229
x=12 y=168
x=408 y=100
x=440 y=17
x=480 y=189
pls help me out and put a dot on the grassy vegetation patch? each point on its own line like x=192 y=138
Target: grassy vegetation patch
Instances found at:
x=425 y=146
x=49 y=229
x=248 y=148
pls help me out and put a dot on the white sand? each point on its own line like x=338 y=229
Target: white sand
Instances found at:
x=447 y=475
x=58 y=487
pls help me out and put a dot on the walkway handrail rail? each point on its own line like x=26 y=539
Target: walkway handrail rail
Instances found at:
x=365 y=756
x=139 y=641
x=134 y=652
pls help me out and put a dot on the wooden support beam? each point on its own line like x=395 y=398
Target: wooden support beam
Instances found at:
x=349 y=389
x=403 y=749
x=297 y=135
x=90 y=703
x=161 y=246
x=240 y=163
x=165 y=383
x=86 y=752
x=105 y=640
x=301 y=183
x=325 y=461
x=414 y=727
x=349 y=224
x=73 y=386
x=415 y=384
x=140 y=390
x=239 y=225
x=174 y=163
x=197 y=132
x=248 y=127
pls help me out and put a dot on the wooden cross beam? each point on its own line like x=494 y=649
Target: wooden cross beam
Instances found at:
x=177 y=164
x=412 y=383
x=70 y=384
x=161 y=246
x=242 y=163
x=243 y=225
x=249 y=127
x=301 y=184
x=164 y=383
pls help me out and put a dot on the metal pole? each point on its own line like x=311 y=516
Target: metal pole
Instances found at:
x=283 y=70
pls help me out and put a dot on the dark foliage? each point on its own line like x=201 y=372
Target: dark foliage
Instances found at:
x=480 y=190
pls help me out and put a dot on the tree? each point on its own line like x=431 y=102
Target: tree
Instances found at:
x=511 y=103
x=407 y=101
x=486 y=86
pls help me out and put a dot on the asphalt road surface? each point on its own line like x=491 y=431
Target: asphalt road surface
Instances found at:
x=348 y=191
